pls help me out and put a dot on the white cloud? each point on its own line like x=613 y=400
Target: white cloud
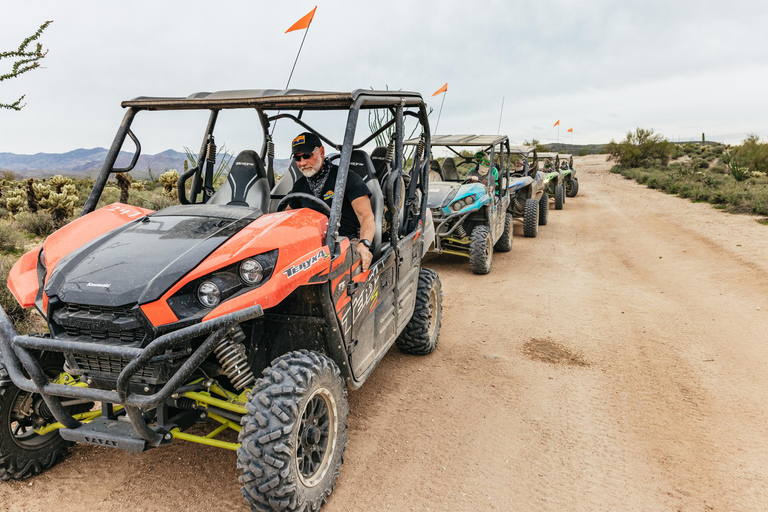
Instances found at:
x=602 y=67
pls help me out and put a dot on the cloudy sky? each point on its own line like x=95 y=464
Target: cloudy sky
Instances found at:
x=602 y=67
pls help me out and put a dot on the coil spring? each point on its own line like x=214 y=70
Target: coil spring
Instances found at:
x=233 y=358
x=210 y=154
x=460 y=231
x=270 y=149
x=420 y=148
x=390 y=152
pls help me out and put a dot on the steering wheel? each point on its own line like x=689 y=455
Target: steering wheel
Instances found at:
x=321 y=206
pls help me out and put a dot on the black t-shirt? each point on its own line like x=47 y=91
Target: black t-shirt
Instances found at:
x=356 y=187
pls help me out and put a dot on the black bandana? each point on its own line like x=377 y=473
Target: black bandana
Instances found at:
x=317 y=182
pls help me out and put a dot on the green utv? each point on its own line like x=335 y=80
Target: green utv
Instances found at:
x=569 y=175
x=554 y=178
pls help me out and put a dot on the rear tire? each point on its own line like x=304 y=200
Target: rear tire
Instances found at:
x=531 y=218
x=480 y=250
x=544 y=209
x=559 y=197
x=573 y=189
x=504 y=243
x=23 y=453
x=294 y=434
x=420 y=335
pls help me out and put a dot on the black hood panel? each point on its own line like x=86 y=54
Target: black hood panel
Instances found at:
x=140 y=261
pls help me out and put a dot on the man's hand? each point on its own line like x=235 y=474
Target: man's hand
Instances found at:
x=365 y=256
x=472 y=179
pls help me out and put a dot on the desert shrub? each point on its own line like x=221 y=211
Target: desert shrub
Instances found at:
x=719 y=168
x=11 y=240
x=752 y=154
x=15 y=312
x=583 y=151
x=699 y=163
x=641 y=148
x=39 y=224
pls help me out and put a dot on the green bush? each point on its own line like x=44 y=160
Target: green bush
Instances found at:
x=641 y=148
x=39 y=224
x=15 y=312
x=583 y=151
x=10 y=238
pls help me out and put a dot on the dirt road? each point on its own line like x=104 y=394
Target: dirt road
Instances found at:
x=619 y=361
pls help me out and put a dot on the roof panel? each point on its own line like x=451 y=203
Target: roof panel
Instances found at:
x=461 y=140
x=522 y=150
x=273 y=99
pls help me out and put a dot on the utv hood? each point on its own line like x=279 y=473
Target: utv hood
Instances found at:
x=441 y=193
x=138 y=262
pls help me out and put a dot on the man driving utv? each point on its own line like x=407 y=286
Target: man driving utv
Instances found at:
x=357 y=220
x=480 y=172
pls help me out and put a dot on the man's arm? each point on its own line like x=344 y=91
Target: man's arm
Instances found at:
x=364 y=212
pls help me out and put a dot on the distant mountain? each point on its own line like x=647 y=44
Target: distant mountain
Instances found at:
x=88 y=163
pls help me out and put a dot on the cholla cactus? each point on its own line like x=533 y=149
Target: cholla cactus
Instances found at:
x=169 y=179
x=31 y=197
x=125 y=186
x=41 y=190
x=138 y=185
x=61 y=205
x=58 y=182
x=15 y=201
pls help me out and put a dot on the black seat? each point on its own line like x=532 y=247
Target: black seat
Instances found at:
x=450 y=172
x=285 y=185
x=246 y=183
x=361 y=164
x=381 y=166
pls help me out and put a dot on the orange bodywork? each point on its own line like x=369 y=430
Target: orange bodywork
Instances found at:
x=23 y=281
x=299 y=237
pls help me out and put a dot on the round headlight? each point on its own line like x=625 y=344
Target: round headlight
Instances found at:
x=469 y=199
x=458 y=205
x=251 y=272
x=209 y=294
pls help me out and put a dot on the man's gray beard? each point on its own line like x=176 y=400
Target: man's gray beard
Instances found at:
x=310 y=172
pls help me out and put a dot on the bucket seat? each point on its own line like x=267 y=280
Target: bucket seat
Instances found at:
x=246 y=183
x=450 y=172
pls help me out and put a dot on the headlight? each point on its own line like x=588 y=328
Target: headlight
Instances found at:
x=251 y=272
x=458 y=205
x=209 y=294
x=469 y=199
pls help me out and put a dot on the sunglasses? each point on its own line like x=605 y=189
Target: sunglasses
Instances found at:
x=298 y=157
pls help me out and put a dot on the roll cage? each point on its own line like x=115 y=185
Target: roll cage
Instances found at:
x=270 y=106
x=529 y=157
x=497 y=147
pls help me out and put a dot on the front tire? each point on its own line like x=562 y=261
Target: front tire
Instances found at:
x=544 y=209
x=504 y=243
x=531 y=218
x=420 y=335
x=559 y=197
x=480 y=250
x=23 y=453
x=294 y=434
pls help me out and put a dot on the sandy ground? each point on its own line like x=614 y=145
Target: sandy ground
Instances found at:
x=619 y=361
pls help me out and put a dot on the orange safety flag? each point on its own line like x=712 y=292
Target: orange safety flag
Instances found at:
x=570 y=130
x=441 y=90
x=557 y=123
x=303 y=22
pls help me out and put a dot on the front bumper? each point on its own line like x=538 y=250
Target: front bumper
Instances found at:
x=16 y=354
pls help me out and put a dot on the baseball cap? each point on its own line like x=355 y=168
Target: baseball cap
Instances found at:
x=305 y=143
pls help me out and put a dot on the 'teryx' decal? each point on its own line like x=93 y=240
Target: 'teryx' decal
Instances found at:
x=304 y=265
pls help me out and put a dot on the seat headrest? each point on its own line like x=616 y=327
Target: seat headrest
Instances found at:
x=361 y=164
x=379 y=158
x=249 y=161
x=245 y=172
x=434 y=165
x=449 y=164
